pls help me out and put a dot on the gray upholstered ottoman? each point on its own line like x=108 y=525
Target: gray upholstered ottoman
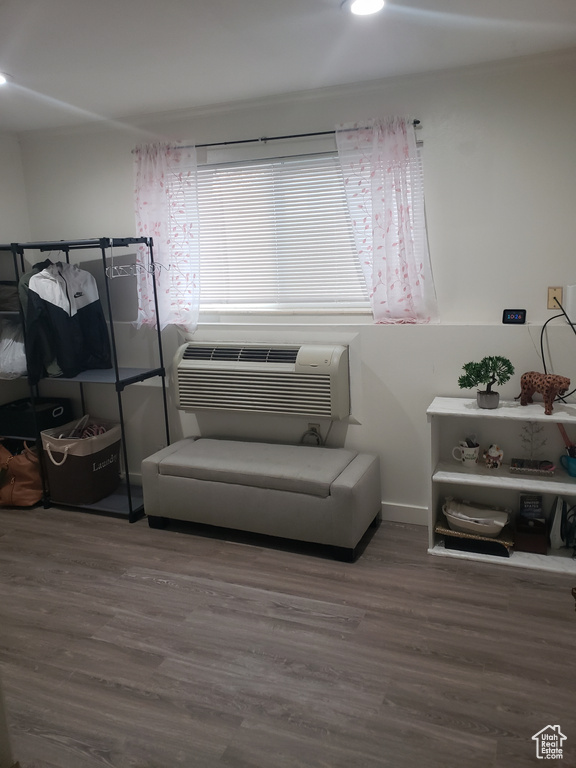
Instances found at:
x=323 y=495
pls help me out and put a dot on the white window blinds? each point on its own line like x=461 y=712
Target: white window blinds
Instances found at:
x=276 y=234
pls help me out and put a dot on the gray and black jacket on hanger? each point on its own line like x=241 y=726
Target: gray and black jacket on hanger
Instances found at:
x=64 y=312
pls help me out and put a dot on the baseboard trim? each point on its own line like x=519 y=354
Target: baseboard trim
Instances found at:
x=404 y=513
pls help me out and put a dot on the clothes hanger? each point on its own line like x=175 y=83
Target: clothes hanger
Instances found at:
x=132 y=270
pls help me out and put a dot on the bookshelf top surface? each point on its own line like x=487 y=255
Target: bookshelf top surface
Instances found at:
x=508 y=409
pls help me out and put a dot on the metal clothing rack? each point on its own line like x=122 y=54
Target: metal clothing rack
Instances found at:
x=128 y=501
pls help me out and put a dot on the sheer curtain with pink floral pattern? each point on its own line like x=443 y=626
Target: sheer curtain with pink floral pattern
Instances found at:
x=382 y=172
x=167 y=210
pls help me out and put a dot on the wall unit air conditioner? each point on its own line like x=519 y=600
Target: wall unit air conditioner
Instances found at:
x=307 y=380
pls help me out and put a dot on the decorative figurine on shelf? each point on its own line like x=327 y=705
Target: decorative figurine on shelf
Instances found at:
x=533 y=439
x=493 y=457
x=549 y=385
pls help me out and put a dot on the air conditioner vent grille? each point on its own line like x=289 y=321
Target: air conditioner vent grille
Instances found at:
x=246 y=392
x=241 y=354
x=307 y=379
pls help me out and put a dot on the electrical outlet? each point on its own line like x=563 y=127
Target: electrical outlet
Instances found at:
x=553 y=294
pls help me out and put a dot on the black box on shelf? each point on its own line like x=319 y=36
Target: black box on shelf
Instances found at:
x=21 y=419
x=531 y=535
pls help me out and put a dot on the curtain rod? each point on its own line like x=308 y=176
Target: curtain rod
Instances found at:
x=264 y=139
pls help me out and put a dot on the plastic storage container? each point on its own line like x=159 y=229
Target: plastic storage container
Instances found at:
x=17 y=418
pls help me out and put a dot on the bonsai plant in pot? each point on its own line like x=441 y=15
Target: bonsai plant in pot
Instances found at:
x=488 y=372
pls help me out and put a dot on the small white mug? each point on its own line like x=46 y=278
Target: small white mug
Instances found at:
x=466 y=454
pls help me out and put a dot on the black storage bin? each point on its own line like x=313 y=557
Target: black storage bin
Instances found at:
x=17 y=417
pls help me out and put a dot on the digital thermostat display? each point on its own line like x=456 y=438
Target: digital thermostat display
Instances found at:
x=515 y=316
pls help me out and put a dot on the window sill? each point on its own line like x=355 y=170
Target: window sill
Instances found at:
x=347 y=316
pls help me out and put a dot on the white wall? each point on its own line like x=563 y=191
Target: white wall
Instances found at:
x=500 y=179
x=14 y=222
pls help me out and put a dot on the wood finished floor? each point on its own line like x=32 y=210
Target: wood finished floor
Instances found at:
x=127 y=647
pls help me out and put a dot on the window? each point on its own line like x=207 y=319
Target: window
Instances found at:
x=276 y=234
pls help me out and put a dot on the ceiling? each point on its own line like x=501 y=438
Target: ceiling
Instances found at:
x=74 y=61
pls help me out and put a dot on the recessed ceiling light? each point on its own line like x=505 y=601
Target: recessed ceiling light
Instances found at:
x=363 y=7
x=4 y=78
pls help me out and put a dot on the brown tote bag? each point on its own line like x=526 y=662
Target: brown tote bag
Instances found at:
x=20 y=478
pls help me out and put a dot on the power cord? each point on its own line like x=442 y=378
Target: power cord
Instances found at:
x=312 y=436
x=555 y=317
x=563 y=314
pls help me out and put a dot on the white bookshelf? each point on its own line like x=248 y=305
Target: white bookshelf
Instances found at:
x=451 y=419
